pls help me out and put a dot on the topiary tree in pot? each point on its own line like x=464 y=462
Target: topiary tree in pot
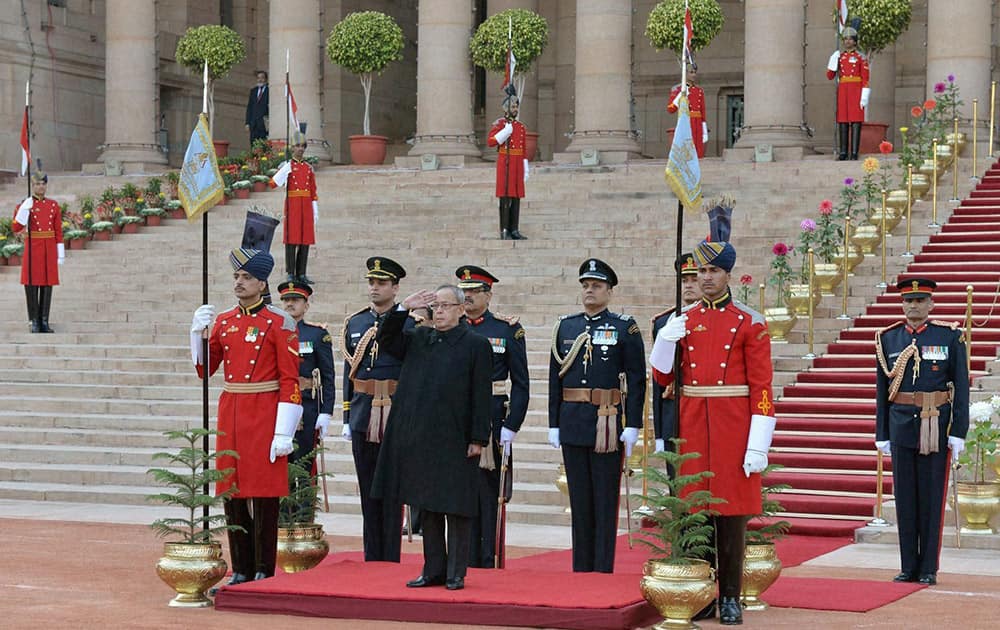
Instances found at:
x=527 y=34
x=665 y=25
x=364 y=44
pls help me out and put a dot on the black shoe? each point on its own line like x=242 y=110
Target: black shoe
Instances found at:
x=517 y=236
x=930 y=579
x=854 y=157
x=237 y=578
x=260 y=575
x=36 y=326
x=291 y=278
x=730 y=611
x=905 y=577
x=305 y=280
x=504 y=235
x=841 y=157
x=422 y=581
x=708 y=612
x=43 y=326
x=454 y=584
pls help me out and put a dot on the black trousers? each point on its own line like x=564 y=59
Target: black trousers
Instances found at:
x=594 y=480
x=382 y=522
x=255 y=549
x=445 y=560
x=919 y=483
x=258 y=131
x=484 y=524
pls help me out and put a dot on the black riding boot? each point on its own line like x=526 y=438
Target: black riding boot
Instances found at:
x=240 y=542
x=855 y=140
x=730 y=544
x=44 y=304
x=31 y=298
x=290 y=262
x=842 y=131
x=265 y=536
x=301 y=262
x=515 y=219
x=504 y=218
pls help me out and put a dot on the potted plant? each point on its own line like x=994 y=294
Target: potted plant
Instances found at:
x=527 y=34
x=780 y=318
x=948 y=101
x=241 y=189
x=173 y=181
x=761 y=566
x=676 y=580
x=259 y=183
x=6 y=234
x=75 y=238
x=175 y=209
x=222 y=48
x=153 y=216
x=979 y=497
x=301 y=541
x=827 y=239
x=12 y=251
x=192 y=563
x=101 y=230
x=665 y=24
x=364 y=44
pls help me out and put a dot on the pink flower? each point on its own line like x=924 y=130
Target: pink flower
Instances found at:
x=939 y=88
x=826 y=206
x=746 y=279
x=951 y=78
x=916 y=111
x=808 y=225
x=780 y=249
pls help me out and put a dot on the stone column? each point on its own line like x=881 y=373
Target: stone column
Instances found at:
x=882 y=106
x=444 y=80
x=772 y=76
x=295 y=26
x=131 y=91
x=958 y=43
x=603 y=77
x=529 y=100
x=565 y=71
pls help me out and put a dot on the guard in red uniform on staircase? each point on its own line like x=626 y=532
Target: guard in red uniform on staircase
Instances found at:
x=508 y=135
x=43 y=250
x=852 y=92
x=301 y=209
x=726 y=409
x=696 y=103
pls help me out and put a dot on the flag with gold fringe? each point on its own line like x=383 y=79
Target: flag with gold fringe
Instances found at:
x=201 y=185
x=683 y=171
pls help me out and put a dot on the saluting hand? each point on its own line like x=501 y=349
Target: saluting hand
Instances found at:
x=420 y=299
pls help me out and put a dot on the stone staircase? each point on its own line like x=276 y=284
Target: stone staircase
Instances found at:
x=83 y=410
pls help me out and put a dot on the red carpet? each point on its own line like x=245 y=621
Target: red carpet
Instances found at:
x=841 y=595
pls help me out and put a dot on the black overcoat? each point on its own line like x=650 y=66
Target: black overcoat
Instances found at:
x=442 y=404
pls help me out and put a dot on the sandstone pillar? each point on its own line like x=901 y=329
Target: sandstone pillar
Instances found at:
x=958 y=43
x=131 y=93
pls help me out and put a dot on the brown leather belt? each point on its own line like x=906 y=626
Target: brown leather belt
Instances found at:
x=250 y=388
x=921 y=399
x=369 y=386
x=599 y=397
x=715 y=391
x=928 y=402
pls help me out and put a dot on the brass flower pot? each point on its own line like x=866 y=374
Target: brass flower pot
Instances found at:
x=896 y=199
x=761 y=567
x=677 y=591
x=866 y=236
x=891 y=219
x=563 y=485
x=301 y=547
x=927 y=168
x=920 y=184
x=191 y=569
x=798 y=298
x=780 y=321
x=828 y=276
x=853 y=258
x=944 y=157
x=978 y=503
x=956 y=140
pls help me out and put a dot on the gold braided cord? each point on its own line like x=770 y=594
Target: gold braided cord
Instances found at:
x=354 y=360
x=566 y=362
x=986 y=320
x=898 y=368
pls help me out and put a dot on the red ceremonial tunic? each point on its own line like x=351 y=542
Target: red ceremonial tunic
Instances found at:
x=510 y=182
x=299 y=224
x=853 y=76
x=727 y=344
x=259 y=345
x=696 y=103
x=41 y=254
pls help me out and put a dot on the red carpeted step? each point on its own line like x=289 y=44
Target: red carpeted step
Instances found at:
x=827 y=504
x=983 y=192
x=979 y=334
x=981 y=348
x=844 y=392
x=972 y=257
x=829 y=482
x=975 y=210
x=845 y=361
x=836 y=407
x=825 y=527
x=959 y=246
x=939 y=309
x=846 y=425
x=980 y=202
x=847 y=442
x=850 y=378
x=881 y=321
x=830 y=461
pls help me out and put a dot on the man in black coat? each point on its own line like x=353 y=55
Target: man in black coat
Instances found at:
x=439 y=423
x=257 y=109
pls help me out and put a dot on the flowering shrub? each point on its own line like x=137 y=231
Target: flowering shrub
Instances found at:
x=746 y=281
x=982 y=439
x=781 y=273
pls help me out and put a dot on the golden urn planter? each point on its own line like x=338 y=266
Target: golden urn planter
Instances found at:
x=920 y=184
x=301 y=547
x=956 y=140
x=866 y=237
x=780 y=321
x=927 y=168
x=761 y=567
x=896 y=199
x=944 y=156
x=677 y=591
x=853 y=258
x=828 y=276
x=191 y=569
x=798 y=298
x=563 y=485
x=891 y=219
x=977 y=504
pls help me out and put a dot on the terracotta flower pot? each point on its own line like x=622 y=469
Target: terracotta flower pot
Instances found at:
x=153 y=220
x=221 y=148
x=241 y=193
x=117 y=229
x=368 y=149
x=103 y=235
x=530 y=145
x=260 y=186
x=178 y=214
x=3 y=261
x=130 y=228
x=77 y=243
x=872 y=134
x=223 y=201
x=14 y=261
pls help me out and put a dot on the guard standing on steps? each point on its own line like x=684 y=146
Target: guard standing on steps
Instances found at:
x=696 y=104
x=593 y=354
x=726 y=409
x=301 y=209
x=44 y=251
x=509 y=136
x=510 y=361
x=922 y=410
x=370 y=380
x=852 y=92
x=259 y=408
x=316 y=375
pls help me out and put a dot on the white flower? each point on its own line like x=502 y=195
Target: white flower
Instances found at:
x=995 y=402
x=981 y=411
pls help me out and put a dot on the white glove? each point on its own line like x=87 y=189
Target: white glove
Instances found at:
x=554 y=437
x=834 y=64
x=346 y=432
x=315 y=213
x=865 y=95
x=674 y=330
x=957 y=445
x=660 y=446
x=527 y=169
x=885 y=446
x=323 y=424
x=281 y=176
x=506 y=439
x=758 y=443
x=61 y=251
x=285 y=423
x=630 y=435
x=202 y=319
x=704 y=132
x=677 y=99
x=504 y=133
x=24 y=210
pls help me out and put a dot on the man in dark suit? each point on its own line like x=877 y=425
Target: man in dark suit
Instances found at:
x=257 y=109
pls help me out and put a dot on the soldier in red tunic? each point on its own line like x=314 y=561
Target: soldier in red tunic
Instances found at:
x=726 y=410
x=259 y=409
x=852 y=92
x=696 y=103
x=508 y=136
x=301 y=210
x=43 y=250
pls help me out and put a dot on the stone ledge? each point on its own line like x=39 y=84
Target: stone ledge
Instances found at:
x=454 y=161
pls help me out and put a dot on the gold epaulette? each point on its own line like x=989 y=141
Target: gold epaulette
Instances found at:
x=952 y=325
x=888 y=328
x=652 y=320
x=510 y=319
x=317 y=325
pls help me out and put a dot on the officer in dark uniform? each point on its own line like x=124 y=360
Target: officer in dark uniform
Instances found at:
x=592 y=352
x=316 y=377
x=664 y=409
x=510 y=360
x=922 y=410
x=370 y=379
